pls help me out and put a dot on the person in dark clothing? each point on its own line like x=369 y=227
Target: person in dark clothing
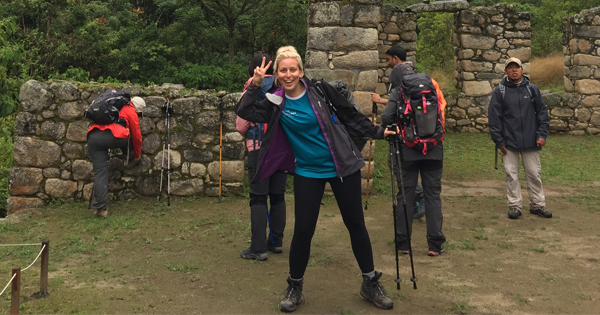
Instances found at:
x=308 y=139
x=519 y=125
x=101 y=138
x=273 y=187
x=429 y=166
x=396 y=58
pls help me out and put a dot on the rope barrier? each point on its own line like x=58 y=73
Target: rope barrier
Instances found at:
x=36 y=258
x=9 y=281
x=9 y=245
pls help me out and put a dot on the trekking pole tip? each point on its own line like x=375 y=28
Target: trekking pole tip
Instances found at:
x=414 y=281
x=366 y=205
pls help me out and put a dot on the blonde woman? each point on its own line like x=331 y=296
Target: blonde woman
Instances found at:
x=307 y=139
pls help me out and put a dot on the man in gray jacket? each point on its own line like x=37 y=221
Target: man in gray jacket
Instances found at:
x=519 y=125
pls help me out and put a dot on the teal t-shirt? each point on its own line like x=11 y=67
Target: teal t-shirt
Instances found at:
x=298 y=120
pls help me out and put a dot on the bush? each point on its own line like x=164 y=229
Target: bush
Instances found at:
x=7 y=128
x=231 y=77
x=434 y=43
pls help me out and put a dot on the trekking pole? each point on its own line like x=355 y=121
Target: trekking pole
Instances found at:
x=397 y=167
x=168 y=109
x=496 y=162
x=220 y=148
x=169 y=112
x=394 y=206
x=373 y=113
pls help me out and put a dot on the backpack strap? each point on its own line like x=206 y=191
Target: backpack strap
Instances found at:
x=502 y=90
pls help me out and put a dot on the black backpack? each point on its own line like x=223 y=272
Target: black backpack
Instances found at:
x=105 y=109
x=421 y=114
x=344 y=90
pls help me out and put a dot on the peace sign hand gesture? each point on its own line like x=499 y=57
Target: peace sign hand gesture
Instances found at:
x=260 y=72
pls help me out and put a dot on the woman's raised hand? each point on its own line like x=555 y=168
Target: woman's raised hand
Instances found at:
x=260 y=72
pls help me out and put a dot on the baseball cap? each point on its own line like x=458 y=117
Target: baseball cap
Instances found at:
x=138 y=103
x=512 y=60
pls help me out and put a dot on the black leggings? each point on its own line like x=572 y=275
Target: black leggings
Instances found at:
x=308 y=193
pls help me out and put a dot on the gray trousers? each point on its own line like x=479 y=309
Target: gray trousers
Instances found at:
x=431 y=179
x=98 y=144
x=533 y=175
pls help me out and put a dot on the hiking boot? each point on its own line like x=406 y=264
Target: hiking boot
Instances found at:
x=250 y=254
x=542 y=212
x=373 y=291
x=274 y=249
x=102 y=213
x=514 y=213
x=434 y=252
x=292 y=296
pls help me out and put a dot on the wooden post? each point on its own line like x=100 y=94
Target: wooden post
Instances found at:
x=44 y=272
x=16 y=292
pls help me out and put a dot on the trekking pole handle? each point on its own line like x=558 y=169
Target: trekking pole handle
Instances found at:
x=374 y=110
x=167 y=108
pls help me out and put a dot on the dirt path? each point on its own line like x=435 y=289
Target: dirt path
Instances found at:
x=151 y=259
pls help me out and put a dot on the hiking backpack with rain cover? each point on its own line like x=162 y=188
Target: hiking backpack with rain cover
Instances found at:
x=105 y=109
x=420 y=113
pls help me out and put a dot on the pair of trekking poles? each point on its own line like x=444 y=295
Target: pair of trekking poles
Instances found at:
x=167 y=108
x=396 y=169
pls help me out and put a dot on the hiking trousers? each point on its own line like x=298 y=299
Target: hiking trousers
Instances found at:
x=260 y=215
x=431 y=180
x=98 y=144
x=533 y=175
x=308 y=193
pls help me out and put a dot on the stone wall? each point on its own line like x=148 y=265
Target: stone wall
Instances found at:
x=341 y=45
x=50 y=154
x=581 y=42
x=50 y=151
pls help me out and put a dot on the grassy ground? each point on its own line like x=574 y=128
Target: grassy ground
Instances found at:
x=150 y=258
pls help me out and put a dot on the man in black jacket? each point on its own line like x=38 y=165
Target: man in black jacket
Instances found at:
x=519 y=124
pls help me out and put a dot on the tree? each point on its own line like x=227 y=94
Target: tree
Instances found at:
x=229 y=12
x=10 y=54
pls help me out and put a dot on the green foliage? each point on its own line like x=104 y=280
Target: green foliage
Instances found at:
x=229 y=77
x=10 y=54
x=143 y=41
x=7 y=127
x=72 y=74
x=434 y=43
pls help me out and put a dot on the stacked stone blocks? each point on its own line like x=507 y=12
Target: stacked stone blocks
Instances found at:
x=50 y=154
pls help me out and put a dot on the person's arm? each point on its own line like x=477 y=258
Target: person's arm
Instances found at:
x=543 y=120
x=356 y=123
x=133 y=123
x=375 y=98
x=495 y=120
x=249 y=108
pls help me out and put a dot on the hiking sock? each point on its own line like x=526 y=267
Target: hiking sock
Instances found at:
x=369 y=274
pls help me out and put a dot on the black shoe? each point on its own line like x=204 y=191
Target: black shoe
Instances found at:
x=292 y=296
x=275 y=249
x=250 y=254
x=373 y=291
x=514 y=213
x=433 y=252
x=542 y=212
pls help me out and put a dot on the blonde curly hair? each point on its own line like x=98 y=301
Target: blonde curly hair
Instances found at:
x=287 y=52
